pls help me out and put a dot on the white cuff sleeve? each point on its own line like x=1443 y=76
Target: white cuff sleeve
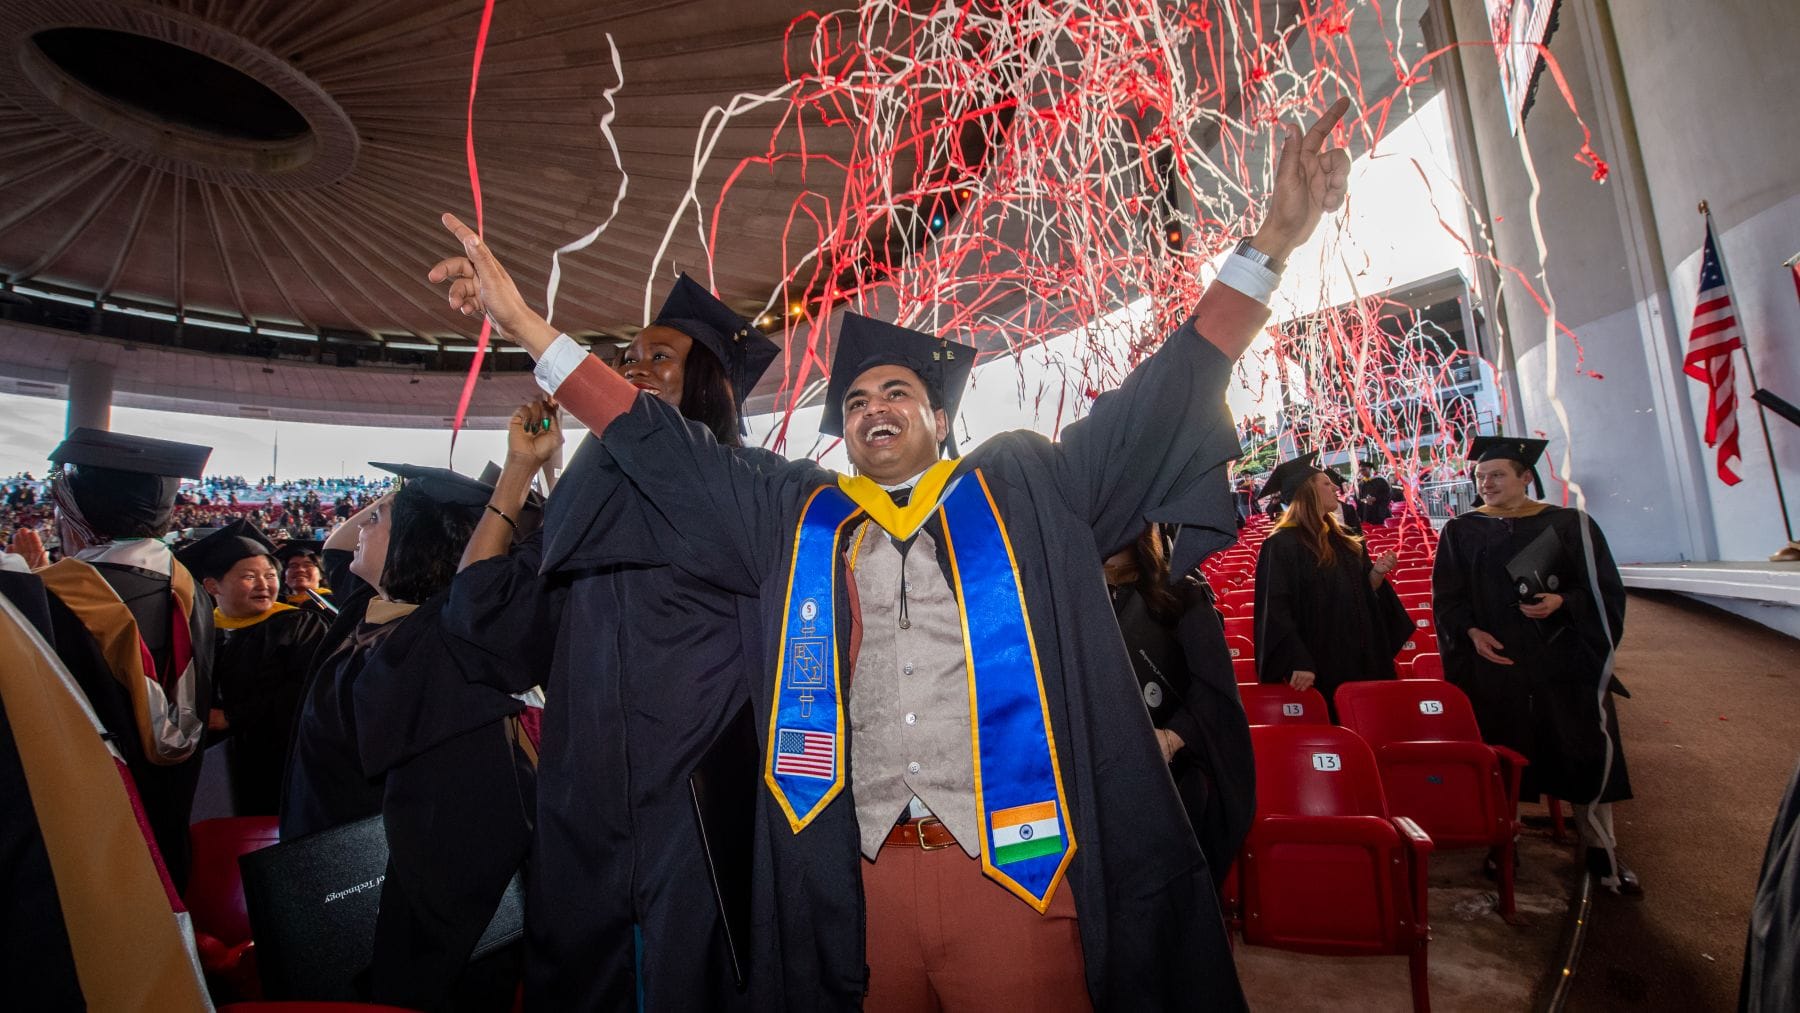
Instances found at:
x=1245 y=275
x=560 y=359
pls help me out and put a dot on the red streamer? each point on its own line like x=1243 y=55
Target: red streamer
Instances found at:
x=487 y=326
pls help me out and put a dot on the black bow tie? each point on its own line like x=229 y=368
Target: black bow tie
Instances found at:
x=900 y=496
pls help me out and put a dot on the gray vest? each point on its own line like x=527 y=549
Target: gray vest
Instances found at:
x=909 y=698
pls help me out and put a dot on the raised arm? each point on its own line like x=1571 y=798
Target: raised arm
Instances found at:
x=533 y=437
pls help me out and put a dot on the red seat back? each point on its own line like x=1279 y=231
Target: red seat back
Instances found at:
x=215 y=893
x=1315 y=770
x=1406 y=710
x=1425 y=665
x=1241 y=626
x=1278 y=703
x=1243 y=671
x=1238 y=646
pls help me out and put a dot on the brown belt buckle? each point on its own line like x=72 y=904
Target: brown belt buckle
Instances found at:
x=920 y=826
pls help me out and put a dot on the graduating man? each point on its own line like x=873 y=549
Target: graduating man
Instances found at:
x=262 y=652
x=1529 y=608
x=1374 y=495
x=944 y=692
x=130 y=622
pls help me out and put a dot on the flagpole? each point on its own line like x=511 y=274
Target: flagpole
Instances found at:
x=1750 y=367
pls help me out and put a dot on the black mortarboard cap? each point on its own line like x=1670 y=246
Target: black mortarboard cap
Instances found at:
x=1508 y=448
x=744 y=351
x=441 y=485
x=299 y=547
x=490 y=477
x=218 y=552
x=864 y=343
x=1289 y=476
x=97 y=448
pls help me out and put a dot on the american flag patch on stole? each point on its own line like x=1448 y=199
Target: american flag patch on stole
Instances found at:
x=805 y=753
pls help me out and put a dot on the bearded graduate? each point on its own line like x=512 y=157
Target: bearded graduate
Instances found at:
x=644 y=666
x=262 y=652
x=989 y=766
x=1325 y=613
x=131 y=623
x=1529 y=608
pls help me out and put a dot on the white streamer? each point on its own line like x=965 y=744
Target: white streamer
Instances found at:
x=612 y=110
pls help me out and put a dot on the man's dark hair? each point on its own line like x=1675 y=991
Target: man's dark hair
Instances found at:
x=425 y=542
x=123 y=504
x=707 y=397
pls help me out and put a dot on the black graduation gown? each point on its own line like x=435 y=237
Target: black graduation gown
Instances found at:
x=260 y=671
x=1326 y=620
x=1377 y=500
x=643 y=665
x=1215 y=770
x=1154 y=451
x=456 y=788
x=1544 y=704
x=1771 y=978
x=1352 y=516
x=325 y=785
x=166 y=791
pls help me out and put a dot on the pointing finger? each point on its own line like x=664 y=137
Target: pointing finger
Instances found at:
x=1315 y=138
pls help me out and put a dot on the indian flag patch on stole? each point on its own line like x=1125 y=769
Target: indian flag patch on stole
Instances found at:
x=1026 y=831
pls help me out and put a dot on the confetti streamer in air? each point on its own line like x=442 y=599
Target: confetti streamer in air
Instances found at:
x=606 y=120
x=487 y=326
x=1023 y=169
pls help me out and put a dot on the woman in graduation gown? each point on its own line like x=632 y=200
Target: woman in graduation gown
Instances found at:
x=262 y=652
x=1325 y=613
x=643 y=672
x=1177 y=647
x=1532 y=663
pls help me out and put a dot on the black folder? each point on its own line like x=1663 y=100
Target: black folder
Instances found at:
x=312 y=903
x=724 y=786
x=1531 y=569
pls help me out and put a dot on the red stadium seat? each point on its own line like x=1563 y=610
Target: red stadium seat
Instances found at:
x=1241 y=648
x=1243 y=670
x=1278 y=703
x=1425 y=665
x=1436 y=769
x=1325 y=869
x=215 y=898
x=1420 y=642
x=1240 y=598
x=1412 y=587
x=1241 y=626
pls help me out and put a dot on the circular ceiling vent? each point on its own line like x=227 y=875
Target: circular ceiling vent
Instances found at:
x=176 y=94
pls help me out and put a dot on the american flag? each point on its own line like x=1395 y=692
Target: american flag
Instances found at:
x=805 y=754
x=1714 y=337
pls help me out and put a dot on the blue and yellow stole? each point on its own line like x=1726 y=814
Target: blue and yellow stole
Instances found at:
x=1027 y=838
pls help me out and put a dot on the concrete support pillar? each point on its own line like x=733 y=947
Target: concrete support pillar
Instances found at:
x=90 y=395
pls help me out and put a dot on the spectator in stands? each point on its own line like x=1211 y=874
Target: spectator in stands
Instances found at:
x=1348 y=512
x=146 y=668
x=1527 y=629
x=1325 y=613
x=261 y=655
x=1375 y=496
x=1177 y=648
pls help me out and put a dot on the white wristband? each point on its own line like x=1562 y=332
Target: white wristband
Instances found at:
x=1249 y=277
x=563 y=356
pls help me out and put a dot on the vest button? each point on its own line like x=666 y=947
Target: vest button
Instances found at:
x=912 y=719
x=906 y=669
x=913 y=767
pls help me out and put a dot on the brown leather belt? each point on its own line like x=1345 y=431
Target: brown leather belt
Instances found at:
x=928 y=834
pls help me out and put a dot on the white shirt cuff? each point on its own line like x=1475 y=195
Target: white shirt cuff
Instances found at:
x=559 y=360
x=1248 y=277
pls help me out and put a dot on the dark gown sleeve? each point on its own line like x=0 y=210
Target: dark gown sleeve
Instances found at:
x=1212 y=724
x=1386 y=612
x=724 y=509
x=506 y=613
x=1452 y=599
x=1154 y=451
x=1280 y=649
x=268 y=700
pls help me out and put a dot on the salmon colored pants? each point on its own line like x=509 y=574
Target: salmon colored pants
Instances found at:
x=944 y=937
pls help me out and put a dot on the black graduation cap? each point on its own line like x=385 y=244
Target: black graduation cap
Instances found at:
x=490 y=477
x=1509 y=448
x=744 y=351
x=218 y=552
x=441 y=485
x=864 y=343
x=142 y=455
x=1289 y=476
x=299 y=547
